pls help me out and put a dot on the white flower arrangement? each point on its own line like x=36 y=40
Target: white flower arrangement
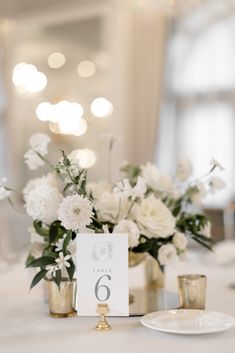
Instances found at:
x=147 y=204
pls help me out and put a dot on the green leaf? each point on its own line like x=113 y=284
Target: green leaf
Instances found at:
x=40 y=275
x=57 y=278
x=29 y=259
x=71 y=270
x=44 y=232
x=42 y=261
x=66 y=241
x=53 y=231
x=202 y=243
x=67 y=186
x=66 y=161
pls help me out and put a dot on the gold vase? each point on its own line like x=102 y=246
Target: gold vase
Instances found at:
x=135 y=259
x=61 y=301
x=149 y=296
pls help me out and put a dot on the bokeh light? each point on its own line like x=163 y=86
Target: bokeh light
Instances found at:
x=56 y=60
x=101 y=107
x=86 y=68
x=85 y=156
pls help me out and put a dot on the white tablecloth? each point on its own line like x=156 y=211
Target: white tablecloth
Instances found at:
x=26 y=327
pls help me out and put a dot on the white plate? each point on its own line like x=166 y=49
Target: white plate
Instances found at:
x=188 y=322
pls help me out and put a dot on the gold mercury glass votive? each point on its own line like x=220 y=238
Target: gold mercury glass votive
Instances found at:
x=61 y=301
x=192 y=291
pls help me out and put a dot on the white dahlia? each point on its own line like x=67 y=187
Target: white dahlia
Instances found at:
x=75 y=212
x=42 y=203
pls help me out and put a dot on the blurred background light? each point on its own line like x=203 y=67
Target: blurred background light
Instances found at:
x=86 y=68
x=28 y=78
x=45 y=111
x=85 y=156
x=101 y=107
x=36 y=83
x=56 y=60
x=20 y=73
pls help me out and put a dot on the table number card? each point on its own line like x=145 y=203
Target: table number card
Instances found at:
x=102 y=273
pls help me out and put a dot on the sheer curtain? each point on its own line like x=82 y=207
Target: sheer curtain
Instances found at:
x=198 y=116
x=139 y=55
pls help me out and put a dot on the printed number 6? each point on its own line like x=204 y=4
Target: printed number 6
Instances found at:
x=98 y=286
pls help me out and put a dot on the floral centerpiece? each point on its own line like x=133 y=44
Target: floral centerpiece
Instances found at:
x=158 y=214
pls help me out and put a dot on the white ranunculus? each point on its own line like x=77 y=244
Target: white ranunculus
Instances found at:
x=33 y=160
x=98 y=189
x=129 y=227
x=39 y=143
x=215 y=184
x=184 y=170
x=155 y=179
x=154 y=218
x=180 y=241
x=49 y=179
x=75 y=212
x=167 y=254
x=110 y=208
x=206 y=230
x=42 y=203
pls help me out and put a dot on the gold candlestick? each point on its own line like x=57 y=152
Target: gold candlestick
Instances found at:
x=102 y=310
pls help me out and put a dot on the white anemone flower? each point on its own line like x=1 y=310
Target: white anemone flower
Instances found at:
x=62 y=261
x=123 y=189
x=216 y=164
x=140 y=188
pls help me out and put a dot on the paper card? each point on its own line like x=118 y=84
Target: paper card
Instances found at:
x=102 y=273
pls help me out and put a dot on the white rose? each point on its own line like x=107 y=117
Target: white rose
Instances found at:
x=42 y=203
x=49 y=179
x=123 y=189
x=167 y=254
x=184 y=170
x=110 y=208
x=157 y=180
x=154 y=218
x=129 y=227
x=180 y=241
x=98 y=189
